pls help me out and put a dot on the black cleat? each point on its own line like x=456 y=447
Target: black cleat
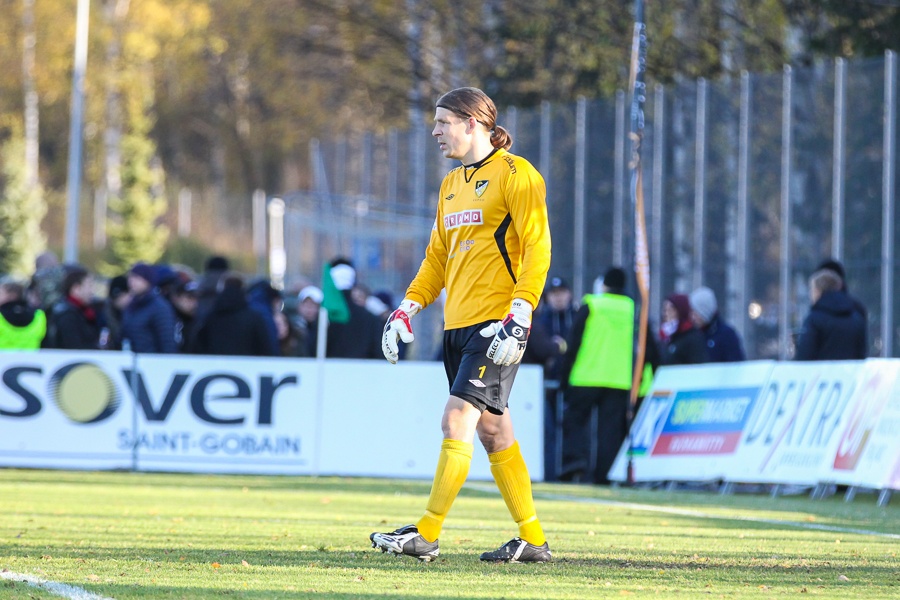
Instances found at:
x=518 y=550
x=406 y=540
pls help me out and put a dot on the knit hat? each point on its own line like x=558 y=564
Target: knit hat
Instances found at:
x=216 y=263
x=145 y=271
x=703 y=301
x=312 y=292
x=118 y=285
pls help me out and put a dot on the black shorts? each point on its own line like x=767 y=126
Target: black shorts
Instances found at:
x=471 y=374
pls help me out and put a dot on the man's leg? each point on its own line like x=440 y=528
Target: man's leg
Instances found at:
x=458 y=424
x=510 y=473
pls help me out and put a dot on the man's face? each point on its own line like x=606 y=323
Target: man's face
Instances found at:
x=670 y=313
x=559 y=299
x=137 y=285
x=697 y=320
x=309 y=310
x=453 y=133
x=5 y=296
x=121 y=301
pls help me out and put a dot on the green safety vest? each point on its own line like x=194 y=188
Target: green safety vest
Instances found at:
x=605 y=356
x=23 y=338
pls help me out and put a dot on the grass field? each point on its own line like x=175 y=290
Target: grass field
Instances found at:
x=125 y=535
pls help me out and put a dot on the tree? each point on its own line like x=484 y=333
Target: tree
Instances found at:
x=21 y=209
x=136 y=236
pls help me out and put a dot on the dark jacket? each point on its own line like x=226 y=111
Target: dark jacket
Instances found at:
x=722 y=342
x=686 y=348
x=360 y=337
x=232 y=328
x=833 y=330
x=148 y=323
x=74 y=327
x=260 y=299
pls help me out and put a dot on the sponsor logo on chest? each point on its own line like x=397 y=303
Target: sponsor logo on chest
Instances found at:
x=464 y=217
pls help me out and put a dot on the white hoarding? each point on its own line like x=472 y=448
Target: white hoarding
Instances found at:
x=104 y=410
x=795 y=423
x=866 y=451
x=690 y=423
x=64 y=409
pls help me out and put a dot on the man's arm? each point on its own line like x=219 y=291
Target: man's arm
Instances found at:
x=429 y=281
x=526 y=201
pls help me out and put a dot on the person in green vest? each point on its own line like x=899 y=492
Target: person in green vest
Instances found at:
x=21 y=326
x=596 y=375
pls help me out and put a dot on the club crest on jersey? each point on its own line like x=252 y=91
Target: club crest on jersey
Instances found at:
x=480 y=186
x=464 y=217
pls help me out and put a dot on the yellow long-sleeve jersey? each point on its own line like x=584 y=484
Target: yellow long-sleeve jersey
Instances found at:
x=490 y=242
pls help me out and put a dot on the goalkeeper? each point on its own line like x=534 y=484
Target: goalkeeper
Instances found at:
x=490 y=248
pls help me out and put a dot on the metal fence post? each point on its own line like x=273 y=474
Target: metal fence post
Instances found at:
x=365 y=186
x=619 y=183
x=743 y=198
x=887 y=193
x=511 y=121
x=578 y=223
x=700 y=184
x=545 y=144
x=656 y=206
x=392 y=156
x=259 y=231
x=784 y=325
x=837 y=169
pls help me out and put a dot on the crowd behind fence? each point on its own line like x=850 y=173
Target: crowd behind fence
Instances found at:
x=750 y=183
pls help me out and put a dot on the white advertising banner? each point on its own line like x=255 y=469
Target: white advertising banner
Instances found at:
x=867 y=449
x=690 y=424
x=64 y=409
x=109 y=410
x=387 y=419
x=792 y=430
x=223 y=414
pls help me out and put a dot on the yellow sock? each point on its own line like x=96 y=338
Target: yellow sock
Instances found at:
x=452 y=470
x=511 y=476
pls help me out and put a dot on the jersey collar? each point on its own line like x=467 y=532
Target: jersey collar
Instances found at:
x=469 y=170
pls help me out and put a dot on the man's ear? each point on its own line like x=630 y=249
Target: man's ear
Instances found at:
x=471 y=124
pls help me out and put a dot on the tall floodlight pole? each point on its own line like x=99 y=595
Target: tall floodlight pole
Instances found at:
x=73 y=185
x=637 y=88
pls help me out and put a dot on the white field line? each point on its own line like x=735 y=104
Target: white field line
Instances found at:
x=694 y=513
x=57 y=589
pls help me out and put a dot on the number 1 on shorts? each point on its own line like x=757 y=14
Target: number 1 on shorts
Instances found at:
x=481 y=372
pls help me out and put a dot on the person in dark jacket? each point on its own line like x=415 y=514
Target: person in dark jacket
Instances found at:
x=722 y=342
x=149 y=321
x=266 y=300
x=834 y=328
x=75 y=325
x=232 y=328
x=22 y=327
x=360 y=337
x=183 y=298
x=117 y=300
x=838 y=269
x=684 y=344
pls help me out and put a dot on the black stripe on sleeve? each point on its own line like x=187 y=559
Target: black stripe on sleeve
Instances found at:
x=500 y=238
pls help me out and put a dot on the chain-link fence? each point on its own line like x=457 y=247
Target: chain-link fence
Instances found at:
x=750 y=183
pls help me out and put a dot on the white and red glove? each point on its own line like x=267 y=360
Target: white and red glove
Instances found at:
x=510 y=334
x=398 y=327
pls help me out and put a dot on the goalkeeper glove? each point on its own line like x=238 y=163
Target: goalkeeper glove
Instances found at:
x=510 y=334
x=398 y=327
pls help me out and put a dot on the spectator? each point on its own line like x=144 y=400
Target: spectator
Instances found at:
x=21 y=326
x=310 y=299
x=183 y=298
x=556 y=316
x=117 y=300
x=360 y=337
x=207 y=287
x=232 y=328
x=834 y=329
x=148 y=322
x=722 y=342
x=835 y=266
x=267 y=301
x=596 y=376
x=684 y=344
x=74 y=323
x=44 y=291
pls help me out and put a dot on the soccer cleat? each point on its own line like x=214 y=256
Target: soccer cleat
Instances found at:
x=406 y=540
x=518 y=550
